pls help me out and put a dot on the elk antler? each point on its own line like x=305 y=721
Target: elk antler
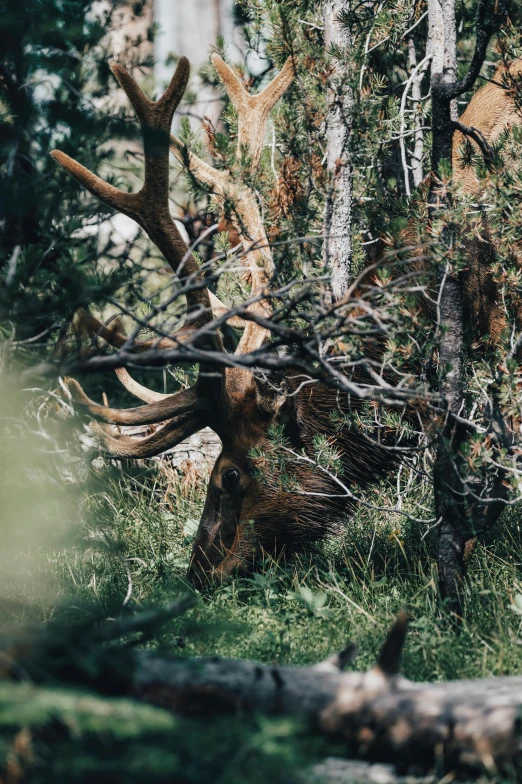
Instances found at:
x=175 y=431
x=172 y=405
x=150 y=206
x=187 y=410
x=253 y=112
x=139 y=391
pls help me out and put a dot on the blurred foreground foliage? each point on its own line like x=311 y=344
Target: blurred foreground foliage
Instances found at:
x=63 y=712
x=57 y=735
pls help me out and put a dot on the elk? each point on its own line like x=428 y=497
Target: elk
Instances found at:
x=241 y=512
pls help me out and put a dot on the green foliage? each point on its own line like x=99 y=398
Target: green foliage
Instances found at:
x=312 y=602
x=222 y=243
x=326 y=455
x=54 y=79
x=64 y=735
x=275 y=463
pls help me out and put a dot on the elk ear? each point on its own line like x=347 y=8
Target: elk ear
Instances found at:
x=271 y=391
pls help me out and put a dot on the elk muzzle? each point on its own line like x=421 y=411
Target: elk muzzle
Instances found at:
x=216 y=549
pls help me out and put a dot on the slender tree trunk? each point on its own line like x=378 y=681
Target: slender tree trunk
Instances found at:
x=418 y=149
x=338 y=209
x=459 y=512
x=450 y=500
x=450 y=503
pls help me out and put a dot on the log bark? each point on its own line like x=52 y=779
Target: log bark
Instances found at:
x=378 y=715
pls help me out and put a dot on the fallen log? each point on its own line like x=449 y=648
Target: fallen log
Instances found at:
x=378 y=715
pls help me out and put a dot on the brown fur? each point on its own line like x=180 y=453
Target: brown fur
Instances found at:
x=491 y=110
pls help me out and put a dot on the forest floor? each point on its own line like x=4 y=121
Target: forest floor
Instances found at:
x=127 y=544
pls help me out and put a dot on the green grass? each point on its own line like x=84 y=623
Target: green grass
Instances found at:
x=141 y=527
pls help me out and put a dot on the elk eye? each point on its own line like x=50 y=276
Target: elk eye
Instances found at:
x=229 y=479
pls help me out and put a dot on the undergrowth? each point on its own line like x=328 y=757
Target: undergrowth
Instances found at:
x=134 y=546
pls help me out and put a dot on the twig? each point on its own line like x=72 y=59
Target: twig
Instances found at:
x=478 y=137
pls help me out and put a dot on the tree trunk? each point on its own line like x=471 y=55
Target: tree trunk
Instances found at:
x=418 y=149
x=458 y=512
x=450 y=505
x=337 y=248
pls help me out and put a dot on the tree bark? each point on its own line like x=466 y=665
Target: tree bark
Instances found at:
x=457 y=511
x=418 y=149
x=337 y=247
x=449 y=500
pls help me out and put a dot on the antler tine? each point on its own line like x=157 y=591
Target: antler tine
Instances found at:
x=235 y=89
x=128 y=203
x=270 y=95
x=150 y=112
x=179 y=403
x=201 y=170
x=219 y=309
x=139 y=101
x=155 y=118
x=97 y=328
x=138 y=390
x=253 y=110
x=173 y=433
